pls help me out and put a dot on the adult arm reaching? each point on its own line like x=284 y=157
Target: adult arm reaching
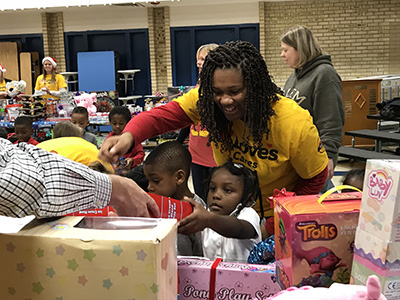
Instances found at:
x=145 y=125
x=34 y=181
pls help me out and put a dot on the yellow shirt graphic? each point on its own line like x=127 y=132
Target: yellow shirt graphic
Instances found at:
x=292 y=149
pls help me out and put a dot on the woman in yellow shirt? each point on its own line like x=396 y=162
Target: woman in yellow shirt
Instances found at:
x=50 y=84
x=3 y=81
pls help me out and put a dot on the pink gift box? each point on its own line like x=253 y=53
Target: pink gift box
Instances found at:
x=229 y=280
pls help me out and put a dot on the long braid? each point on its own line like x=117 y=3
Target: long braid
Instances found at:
x=260 y=93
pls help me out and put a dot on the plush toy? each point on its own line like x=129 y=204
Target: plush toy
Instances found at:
x=88 y=101
x=337 y=291
x=14 y=88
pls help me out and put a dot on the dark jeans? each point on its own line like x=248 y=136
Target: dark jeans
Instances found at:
x=199 y=176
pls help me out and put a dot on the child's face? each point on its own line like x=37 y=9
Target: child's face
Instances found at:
x=161 y=182
x=23 y=132
x=225 y=192
x=80 y=120
x=118 y=123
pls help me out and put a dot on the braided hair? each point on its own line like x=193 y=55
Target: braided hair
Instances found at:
x=261 y=92
x=251 y=188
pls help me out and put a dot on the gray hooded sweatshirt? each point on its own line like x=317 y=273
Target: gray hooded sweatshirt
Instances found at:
x=317 y=87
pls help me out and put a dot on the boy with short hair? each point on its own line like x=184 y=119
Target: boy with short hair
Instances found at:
x=80 y=117
x=119 y=116
x=167 y=168
x=23 y=131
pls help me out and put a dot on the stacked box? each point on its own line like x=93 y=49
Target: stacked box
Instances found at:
x=377 y=243
x=82 y=258
x=313 y=240
x=231 y=280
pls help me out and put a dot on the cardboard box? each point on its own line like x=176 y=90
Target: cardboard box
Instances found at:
x=390 y=285
x=380 y=212
x=64 y=259
x=373 y=255
x=385 y=255
x=232 y=280
x=314 y=241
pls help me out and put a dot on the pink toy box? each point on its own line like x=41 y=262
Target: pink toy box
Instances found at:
x=201 y=279
x=314 y=239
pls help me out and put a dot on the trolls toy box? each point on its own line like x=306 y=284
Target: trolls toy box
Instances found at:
x=314 y=239
x=90 y=258
x=207 y=279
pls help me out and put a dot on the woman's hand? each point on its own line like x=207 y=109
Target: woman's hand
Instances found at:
x=116 y=146
x=46 y=90
x=330 y=168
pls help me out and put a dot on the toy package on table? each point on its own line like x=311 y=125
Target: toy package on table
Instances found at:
x=169 y=209
x=314 y=239
x=90 y=258
x=377 y=243
x=207 y=279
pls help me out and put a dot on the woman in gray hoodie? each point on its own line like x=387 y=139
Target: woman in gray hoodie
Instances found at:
x=316 y=86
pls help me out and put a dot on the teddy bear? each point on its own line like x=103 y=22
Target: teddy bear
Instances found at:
x=15 y=88
x=88 y=101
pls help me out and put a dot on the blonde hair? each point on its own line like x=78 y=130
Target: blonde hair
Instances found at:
x=53 y=74
x=99 y=167
x=207 y=48
x=66 y=128
x=303 y=41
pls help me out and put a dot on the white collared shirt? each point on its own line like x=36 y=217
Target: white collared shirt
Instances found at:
x=230 y=249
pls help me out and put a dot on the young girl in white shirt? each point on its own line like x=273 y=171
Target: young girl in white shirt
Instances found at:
x=231 y=227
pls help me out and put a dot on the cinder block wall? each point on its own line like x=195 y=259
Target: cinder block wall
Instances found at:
x=53 y=38
x=160 y=48
x=361 y=35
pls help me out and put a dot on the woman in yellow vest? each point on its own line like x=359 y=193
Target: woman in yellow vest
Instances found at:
x=50 y=84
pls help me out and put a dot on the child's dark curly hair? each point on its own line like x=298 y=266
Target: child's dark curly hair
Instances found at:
x=120 y=110
x=261 y=92
x=251 y=188
x=353 y=174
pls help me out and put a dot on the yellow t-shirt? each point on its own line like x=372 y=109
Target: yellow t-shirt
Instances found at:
x=292 y=149
x=74 y=148
x=55 y=86
x=3 y=86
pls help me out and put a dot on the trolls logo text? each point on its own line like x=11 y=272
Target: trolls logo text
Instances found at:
x=311 y=231
x=379 y=185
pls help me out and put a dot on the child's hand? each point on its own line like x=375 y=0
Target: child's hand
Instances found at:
x=196 y=221
x=128 y=163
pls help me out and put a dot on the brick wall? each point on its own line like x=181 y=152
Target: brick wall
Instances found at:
x=361 y=35
x=53 y=38
x=160 y=50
